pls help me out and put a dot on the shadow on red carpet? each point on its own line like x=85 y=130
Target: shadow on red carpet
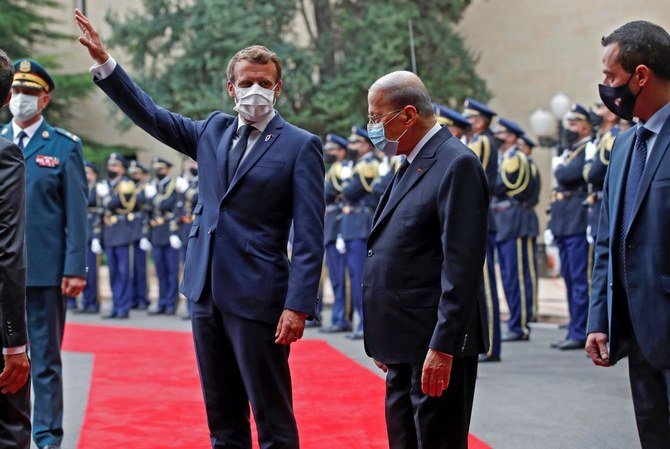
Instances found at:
x=145 y=393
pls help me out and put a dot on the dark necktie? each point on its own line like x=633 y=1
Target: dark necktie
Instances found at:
x=399 y=174
x=22 y=135
x=235 y=155
x=632 y=186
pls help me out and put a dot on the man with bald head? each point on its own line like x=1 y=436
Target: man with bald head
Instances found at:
x=423 y=301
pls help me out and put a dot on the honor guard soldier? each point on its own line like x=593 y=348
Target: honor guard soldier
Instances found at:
x=144 y=192
x=189 y=202
x=164 y=224
x=457 y=124
x=118 y=226
x=90 y=301
x=357 y=211
x=387 y=169
x=596 y=165
x=513 y=189
x=486 y=148
x=568 y=224
x=55 y=237
x=531 y=226
x=335 y=153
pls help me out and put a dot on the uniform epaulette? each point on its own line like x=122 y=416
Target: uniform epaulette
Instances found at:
x=368 y=169
x=511 y=164
x=67 y=134
x=481 y=146
x=4 y=131
x=126 y=187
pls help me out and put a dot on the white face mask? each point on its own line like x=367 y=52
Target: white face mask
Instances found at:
x=23 y=106
x=254 y=103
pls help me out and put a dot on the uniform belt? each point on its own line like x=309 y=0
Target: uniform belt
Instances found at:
x=357 y=210
x=560 y=196
x=593 y=198
x=160 y=219
x=112 y=219
x=333 y=208
x=501 y=206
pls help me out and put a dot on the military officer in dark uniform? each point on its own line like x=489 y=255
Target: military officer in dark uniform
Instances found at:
x=457 y=124
x=55 y=237
x=118 y=225
x=531 y=226
x=486 y=148
x=188 y=203
x=89 y=303
x=358 y=209
x=144 y=192
x=164 y=224
x=568 y=224
x=512 y=190
x=335 y=153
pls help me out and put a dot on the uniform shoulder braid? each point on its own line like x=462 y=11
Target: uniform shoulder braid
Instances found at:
x=68 y=134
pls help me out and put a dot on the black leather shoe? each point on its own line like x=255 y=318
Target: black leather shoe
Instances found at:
x=122 y=316
x=335 y=329
x=571 y=344
x=556 y=344
x=483 y=358
x=358 y=335
x=511 y=336
x=170 y=311
x=110 y=316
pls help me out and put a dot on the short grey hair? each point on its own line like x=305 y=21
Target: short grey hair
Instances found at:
x=403 y=88
x=6 y=75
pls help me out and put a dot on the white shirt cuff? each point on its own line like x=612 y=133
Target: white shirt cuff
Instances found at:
x=15 y=350
x=102 y=71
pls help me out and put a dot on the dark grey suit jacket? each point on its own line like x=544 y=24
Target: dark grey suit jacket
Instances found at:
x=422 y=284
x=12 y=246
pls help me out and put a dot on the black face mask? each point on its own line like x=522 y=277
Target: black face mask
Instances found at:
x=194 y=171
x=499 y=141
x=620 y=99
x=352 y=155
x=329 y=158
x=595 y=119
x=161 y=176
x=112 y=174
x=571 y=136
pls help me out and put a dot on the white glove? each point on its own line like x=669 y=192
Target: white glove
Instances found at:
x=340 y=245
x=556 y=162
x=175 y=242
x=383 y=168
x=589 y=236
x=590 y=151
x=145 y=245
x=346 y=171
x=150 y=191
x=96 y=247
x=182 y=184
x=102 y=189
x=548 y=237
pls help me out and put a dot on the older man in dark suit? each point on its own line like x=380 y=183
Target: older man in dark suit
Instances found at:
x=14 y=365
x=424 y=305
x=630 y=299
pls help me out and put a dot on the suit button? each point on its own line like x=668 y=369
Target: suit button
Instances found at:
x=370 y=253
x=630 y=246
x=611 y=285
x=210 y=231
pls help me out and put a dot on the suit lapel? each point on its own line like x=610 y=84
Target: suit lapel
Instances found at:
x=222 y=155
x=264 y=142
x=39 y=139
x=660 y=147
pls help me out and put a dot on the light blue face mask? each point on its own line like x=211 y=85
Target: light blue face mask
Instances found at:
x=378 y=137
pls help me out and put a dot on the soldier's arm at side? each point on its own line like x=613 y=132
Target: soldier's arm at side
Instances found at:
x=570 y=174
x=75 y=191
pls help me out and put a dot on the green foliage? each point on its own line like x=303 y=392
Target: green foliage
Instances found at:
x=98 y=153
x=180 y=51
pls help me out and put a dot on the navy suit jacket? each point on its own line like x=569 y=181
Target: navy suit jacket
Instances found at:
x=56 y=205
x=241 y=227
x=422 y=283
x=647 y=263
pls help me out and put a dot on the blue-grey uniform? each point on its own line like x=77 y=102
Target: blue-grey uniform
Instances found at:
x=385 y=179
x=357 y=212
x=568 y=224
x=512 y=190
x=118 y=234
x=486 y=148
x=90 y=298
x=55 y=240
x=595 y=170
x=164 y=224
x=140 y=228
x=531 y=229
x=335 y=260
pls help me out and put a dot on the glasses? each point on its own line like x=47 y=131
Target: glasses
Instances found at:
x=373 y=119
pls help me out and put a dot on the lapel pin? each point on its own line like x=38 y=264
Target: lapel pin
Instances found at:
x=419 y=169
x=45 y=134
x=268 y=137
x=4 y=131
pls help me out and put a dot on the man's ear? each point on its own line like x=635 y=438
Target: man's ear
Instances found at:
x=45 y=100
x=9 y=97
x=643 y=72
x=278 y=90
x=231 y=89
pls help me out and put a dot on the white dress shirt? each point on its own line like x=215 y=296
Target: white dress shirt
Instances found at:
x=30 y=131
x=654 y=124
x=431 y=132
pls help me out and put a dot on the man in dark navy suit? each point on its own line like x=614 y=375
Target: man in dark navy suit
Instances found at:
x=630 y=297
x=258 y=174
x=424 y=306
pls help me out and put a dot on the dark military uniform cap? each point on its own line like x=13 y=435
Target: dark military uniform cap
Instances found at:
x=359 y=135
x=137 y=167
x=449 y=117
x=30 y=74
x=578 y=112
x=116 y=157
x=93 y=167
x=530 y=142
x=474 y=108
x=161 y=163
x=509 y=126
x=333 y=140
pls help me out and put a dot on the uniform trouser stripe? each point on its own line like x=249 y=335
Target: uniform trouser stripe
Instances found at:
x=533 y=276
x=522 y=284
x=589 y=268
x=489 y=306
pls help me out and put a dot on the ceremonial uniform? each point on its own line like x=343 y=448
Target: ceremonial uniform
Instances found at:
x=90 y=298
x=568 y=224
x=164 y=224
x=358 y=209
x=335 y=258
x=457 y=124
x=530 y=231
x=118 y=234
x=56 y=245
x=486 y=148
x=188 y=202
x=385 y=178
x=140 y=230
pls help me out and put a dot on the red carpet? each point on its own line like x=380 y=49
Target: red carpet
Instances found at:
x=145 y=393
